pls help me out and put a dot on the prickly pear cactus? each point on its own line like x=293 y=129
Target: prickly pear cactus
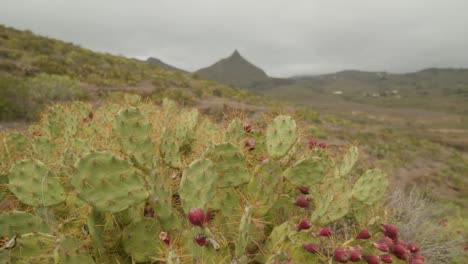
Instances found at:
x=19 y=223
x=229 y=163
x=34 y=184
x=349 y=159
x=306 y=172
x=197 y=186
x=141 y=240
x=117 y=184
x=370 y=187
x=133 y=131
x=234 y=132
x=264 y=186
x=281 y=135
x=109 y=184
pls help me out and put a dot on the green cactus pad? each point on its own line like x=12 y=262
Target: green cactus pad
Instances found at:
x=234 y=131
x=33 y=183
x=332 y=209
x=281 y=135
x=265 y=186
x=46 y=150
x=229 y=163
x=19 y=223
x=141 y=240
x=370 y=187
x=349 y=159
x=277 y=238
x=305 y=172
x=55 y=121
x=71 y=251
x=109 y=184
x=133 y=131
x=105 y=233
x=170 y=150
x=16 y=144
x=197 y=186
x=243 y=235
x=32 y=248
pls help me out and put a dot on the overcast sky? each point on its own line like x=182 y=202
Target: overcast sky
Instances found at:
x=282 y=37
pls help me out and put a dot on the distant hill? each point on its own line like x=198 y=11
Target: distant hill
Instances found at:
x=160 y=63
x=235 y=70
x=432 y=81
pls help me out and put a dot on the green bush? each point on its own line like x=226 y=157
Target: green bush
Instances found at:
x=25 y=98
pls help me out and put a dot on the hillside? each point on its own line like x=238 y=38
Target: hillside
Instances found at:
x=35 y=70
x=234 y=70
x=160 y=63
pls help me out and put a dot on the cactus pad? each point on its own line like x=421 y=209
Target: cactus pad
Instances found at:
x=280 y=136
x=141 y=240
x=19 y=223
x=133 y=131
x=305 y=172
x=348 y=161
x=234 y=131
x=229 y=163
x=170 y=150
x=243 y=235
x=197 y=186
x=33 y=183
x=265 y=185
x=109 y=184
x=32 y=248
x=370 y=187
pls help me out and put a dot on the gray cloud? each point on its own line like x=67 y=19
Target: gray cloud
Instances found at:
x=283 y=37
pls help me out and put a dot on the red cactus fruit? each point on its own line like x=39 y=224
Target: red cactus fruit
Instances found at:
x=208 y=216
x=149 y=212
x=384 y=244
x=372 y=259
x=312 y=143
x=263 y=159
x=400 y=242
x=303 y=225
x=363 y=234
x=417 y=256
x=85 y=120
x=400 y=252
x=413 y=247
x=303 y=189
x=390 y=231
x=323 y=145
x=386 y=258
x=341 y=254
x=196 y=216
x=325 y=232
x=249 y=144
x=90 y=115
x=165 y=237
x=417 y=261
x=200 y=239
x=311 y=247
x=247 y=127
x=356 y=254
x=302 y=201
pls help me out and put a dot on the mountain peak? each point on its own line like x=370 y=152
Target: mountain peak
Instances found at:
x=236 y=54
x=235 y=70
x=160 y=63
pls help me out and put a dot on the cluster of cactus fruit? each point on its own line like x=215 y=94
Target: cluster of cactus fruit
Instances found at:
x=135 y=182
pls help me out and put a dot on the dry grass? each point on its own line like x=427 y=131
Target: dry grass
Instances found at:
x=413 y=214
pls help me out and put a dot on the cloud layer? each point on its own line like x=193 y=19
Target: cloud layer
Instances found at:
x=283 y=37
